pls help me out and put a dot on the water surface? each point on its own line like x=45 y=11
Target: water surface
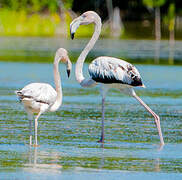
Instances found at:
x=68 y=138
x=35 y=49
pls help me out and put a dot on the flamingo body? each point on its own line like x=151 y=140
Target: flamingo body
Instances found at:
x=37 y=97
x=109 y=70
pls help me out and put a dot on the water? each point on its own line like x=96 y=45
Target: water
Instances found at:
x=136 y=51
x=68 y=138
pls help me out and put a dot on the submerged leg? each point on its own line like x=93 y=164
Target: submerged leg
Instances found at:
x=35 y=156
x=30 y=117
x=30 y=129
x=156 y=117
x=35 y=126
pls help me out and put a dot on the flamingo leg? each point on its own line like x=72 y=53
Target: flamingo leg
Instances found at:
x=102 y=123
x=35 y=126
x=156 y=117
x=30 y=129
x=30 y=117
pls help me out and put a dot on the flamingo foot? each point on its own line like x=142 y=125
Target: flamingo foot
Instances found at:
x=101 y=140
x=35 y=145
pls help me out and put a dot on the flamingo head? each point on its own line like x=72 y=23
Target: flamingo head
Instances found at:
x=85 y=19
x=62 y=55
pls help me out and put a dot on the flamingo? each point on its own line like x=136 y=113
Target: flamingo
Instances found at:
x=110 y=72
x=41 y=97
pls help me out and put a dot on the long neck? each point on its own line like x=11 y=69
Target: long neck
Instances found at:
x=83 y=55
x=57 y=81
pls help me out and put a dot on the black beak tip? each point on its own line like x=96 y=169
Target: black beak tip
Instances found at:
x=68 y=73
x=72 y=35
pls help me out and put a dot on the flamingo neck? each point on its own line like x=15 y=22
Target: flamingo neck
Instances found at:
x=57 y=81
x=79 y=64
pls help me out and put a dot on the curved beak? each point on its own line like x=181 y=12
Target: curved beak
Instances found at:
x=68 y=72
x=69 y=67
x=74 y=26
x=72 y=35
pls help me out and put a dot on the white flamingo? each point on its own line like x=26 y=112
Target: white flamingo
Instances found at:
x=108 y=71
x=41 y=97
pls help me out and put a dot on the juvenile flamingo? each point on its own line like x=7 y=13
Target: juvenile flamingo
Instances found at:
x=110 y=72
x=38 y=98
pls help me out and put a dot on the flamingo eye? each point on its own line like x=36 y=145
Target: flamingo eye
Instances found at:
x=84 y=16
x=132 y=75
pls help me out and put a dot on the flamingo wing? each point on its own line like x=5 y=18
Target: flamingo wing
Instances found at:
x=39 y=92
x=110 y=70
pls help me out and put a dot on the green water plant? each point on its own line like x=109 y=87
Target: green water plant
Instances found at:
x=16 y=23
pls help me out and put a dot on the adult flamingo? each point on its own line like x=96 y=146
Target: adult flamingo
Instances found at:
x=108 y=71
x=41 y=97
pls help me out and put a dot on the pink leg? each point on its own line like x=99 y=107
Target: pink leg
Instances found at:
x=35 y=126
x=103 y=91
x=30 y=130
x=103 y=115
x=156 y=117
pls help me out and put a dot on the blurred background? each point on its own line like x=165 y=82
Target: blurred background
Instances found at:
x=138 y=19
x=157 y=22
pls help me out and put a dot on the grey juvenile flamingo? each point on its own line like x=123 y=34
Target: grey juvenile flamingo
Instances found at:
x=110 y=72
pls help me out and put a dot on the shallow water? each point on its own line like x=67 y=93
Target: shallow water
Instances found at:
x=68 y=138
